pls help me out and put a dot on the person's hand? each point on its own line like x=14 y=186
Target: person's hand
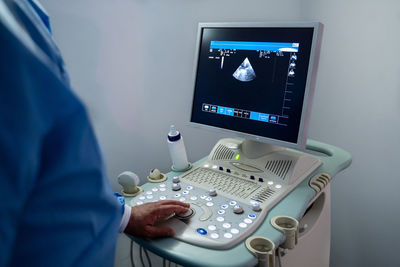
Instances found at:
x=144 y=217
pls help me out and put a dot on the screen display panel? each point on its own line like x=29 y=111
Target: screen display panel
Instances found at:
x=253 y=80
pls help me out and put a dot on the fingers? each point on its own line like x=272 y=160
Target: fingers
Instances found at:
x=144 y=217
x=168 y=209
x=173 y=202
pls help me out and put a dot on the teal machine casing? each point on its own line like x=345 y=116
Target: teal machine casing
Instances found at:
x=294 y=205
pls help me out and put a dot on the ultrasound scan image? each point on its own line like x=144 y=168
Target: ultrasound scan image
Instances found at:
x=245 y=72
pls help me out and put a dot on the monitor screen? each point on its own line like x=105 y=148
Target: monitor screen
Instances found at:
x=255 y=80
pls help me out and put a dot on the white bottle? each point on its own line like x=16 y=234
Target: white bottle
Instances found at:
x=177 y=150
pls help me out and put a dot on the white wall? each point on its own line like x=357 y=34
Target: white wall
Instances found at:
x=131 y=62
x=357 y=107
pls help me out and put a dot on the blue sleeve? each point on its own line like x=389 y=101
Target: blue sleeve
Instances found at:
x=56 y=205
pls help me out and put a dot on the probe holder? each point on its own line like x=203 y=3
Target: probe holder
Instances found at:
x=289 y=227
x=264 y=250
x=156 y=176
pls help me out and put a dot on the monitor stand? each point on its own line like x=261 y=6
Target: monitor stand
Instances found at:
x=254 y=149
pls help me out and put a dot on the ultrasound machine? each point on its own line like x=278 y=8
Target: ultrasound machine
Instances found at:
x=262 y=196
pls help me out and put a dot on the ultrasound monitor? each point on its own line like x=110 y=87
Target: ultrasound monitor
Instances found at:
x=256 y=80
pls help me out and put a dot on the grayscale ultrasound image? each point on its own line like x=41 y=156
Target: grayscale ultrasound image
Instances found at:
x=245 y=72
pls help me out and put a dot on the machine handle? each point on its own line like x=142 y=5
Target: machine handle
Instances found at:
x=334 y=160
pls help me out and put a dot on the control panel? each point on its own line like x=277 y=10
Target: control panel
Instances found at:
x=213 y=220
x=229 y=195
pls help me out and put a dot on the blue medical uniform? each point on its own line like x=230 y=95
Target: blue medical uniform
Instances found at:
x=56 y=204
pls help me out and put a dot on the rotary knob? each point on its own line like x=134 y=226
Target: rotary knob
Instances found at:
x=212 y=192
x=185 y=215
x=256 y=206
x=175 y=179
x=237 y=209
x=176 y=187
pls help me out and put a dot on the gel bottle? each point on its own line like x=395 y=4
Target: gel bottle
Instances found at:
x=177 y=150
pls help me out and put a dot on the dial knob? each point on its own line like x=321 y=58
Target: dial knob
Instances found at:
x=256 y=206
x=175 y=179
x=212 y=192
x=237 y=209
x=185 y=215
x=176 y=187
